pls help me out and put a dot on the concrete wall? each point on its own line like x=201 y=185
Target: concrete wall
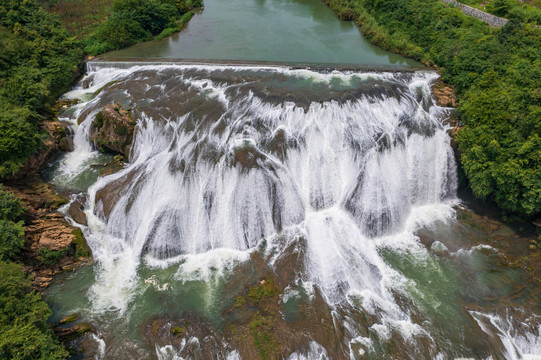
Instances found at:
x=476 y=13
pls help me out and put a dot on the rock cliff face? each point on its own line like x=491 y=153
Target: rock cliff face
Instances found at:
x=52 y=244
x=112 y=130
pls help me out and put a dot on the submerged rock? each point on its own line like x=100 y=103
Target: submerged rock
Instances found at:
x=112 y=130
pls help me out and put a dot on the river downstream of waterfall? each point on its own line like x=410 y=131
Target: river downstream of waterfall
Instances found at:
x=340 y=186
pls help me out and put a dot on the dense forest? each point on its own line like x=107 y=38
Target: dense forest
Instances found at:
x=497 y=77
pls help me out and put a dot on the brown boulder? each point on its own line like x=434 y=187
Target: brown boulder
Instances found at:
x=77 y=213
x=444 y=94
x=112 y=130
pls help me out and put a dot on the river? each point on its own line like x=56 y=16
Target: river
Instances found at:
x=292 y=31
x=279 y=211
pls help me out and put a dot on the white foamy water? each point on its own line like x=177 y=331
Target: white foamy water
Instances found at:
x=521 y=339
x=223 y=164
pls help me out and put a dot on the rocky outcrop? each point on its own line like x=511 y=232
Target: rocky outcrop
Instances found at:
x=57 y=140
x=444 y=94
x=112 y=130
x=52 y=245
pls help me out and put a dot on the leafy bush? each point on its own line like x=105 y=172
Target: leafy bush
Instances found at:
x=50 y=257
x=11 y=238
x=11 y=207
x=38 y=62
x=134 y=21
x=25 y=334
x=500 y=7
x=19 y=137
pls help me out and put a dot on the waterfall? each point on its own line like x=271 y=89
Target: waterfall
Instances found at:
x=227 y=158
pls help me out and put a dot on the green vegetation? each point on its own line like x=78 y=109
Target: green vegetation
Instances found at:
x=11 y=226
x=497 y=76
x=511 y=9
x=176 y=28
x=11 y=238
x=79 y=17
x=23 y=315
x=178 y=331
x=239 y=302
x=23 y=319
x=133 y=21
x=38 y=62
x=261 y=327
x=50 y=257
x=81 y=248
x=265 y=290
x=264 y=339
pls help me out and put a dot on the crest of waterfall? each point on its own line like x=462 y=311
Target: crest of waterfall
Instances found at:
x=218 y=164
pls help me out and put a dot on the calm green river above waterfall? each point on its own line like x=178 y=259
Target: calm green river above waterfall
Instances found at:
x=293 y=31
x=278 y=211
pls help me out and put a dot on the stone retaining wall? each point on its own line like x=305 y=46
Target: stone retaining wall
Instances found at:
x=476 y=13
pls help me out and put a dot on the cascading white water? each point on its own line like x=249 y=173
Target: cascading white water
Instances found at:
x=225 y=157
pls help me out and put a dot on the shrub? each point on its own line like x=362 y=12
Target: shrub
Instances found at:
x=25 y=333
x=50 y=257
x=11 y=238
x=11 y=207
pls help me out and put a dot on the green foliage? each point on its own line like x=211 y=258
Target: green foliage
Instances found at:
x=511 y=9
x=497 y=75
x=186 y=17
x=168 y=31
x=121 y=130
x=239 y=302
x=500 y=7
x=264 y=339
x=11 y=238
x=81 y=247
x=19 y=137
x=25 y=334
x=134 y=21
x=264 y=290
x=11 y=232
x=178 y=331
x=50 y=257
x=11 y=207
x=38 y=61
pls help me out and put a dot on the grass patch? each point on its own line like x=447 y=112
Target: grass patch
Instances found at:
x=81 y=247
x=80 y=17
x=265 y=290
x=50 y=257
x=264 y=340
